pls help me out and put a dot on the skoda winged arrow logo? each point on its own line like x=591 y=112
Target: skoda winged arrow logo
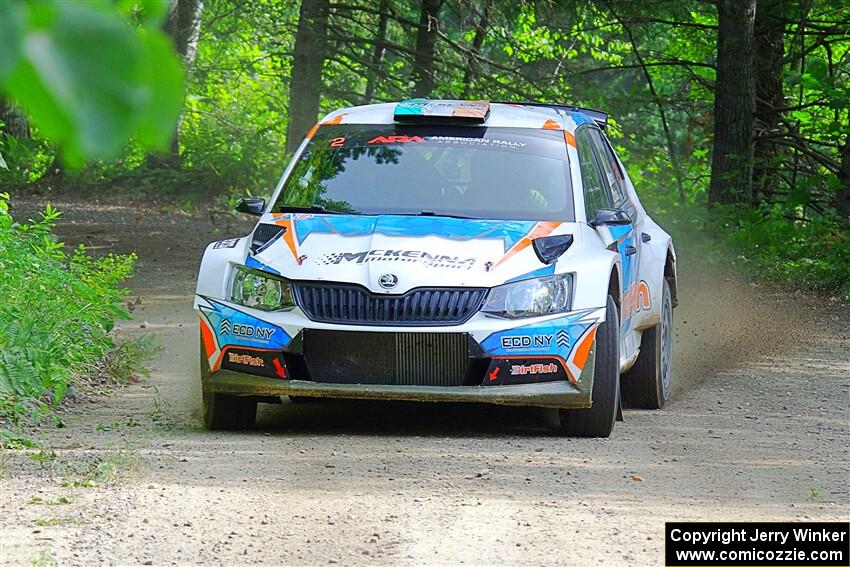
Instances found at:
x=224 y=327
x=562 y=338
x=388 y=281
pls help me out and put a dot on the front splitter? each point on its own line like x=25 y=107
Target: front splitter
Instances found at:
x=561 y=394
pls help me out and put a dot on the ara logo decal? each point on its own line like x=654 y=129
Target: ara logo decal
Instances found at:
x=396 y=139
x=562 y=338
x=526 y=341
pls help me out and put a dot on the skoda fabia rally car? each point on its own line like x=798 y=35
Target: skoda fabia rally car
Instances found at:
x=434 y=250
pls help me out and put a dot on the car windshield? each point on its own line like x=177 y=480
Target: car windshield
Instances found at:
x=475 y=172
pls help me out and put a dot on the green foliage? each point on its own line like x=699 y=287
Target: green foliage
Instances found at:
x=56 y=314
x=87 y=79
x=814 y=255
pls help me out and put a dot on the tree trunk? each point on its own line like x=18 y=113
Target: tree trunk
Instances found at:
x=307 y=61
x=183 y=26
x=472 y=64
x=769 y=29
x=426 y=43
x=378 y=51
x=734 y=104
x=842 y=198
x=14 y=123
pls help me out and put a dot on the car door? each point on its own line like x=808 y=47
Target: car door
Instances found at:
x=625 y=238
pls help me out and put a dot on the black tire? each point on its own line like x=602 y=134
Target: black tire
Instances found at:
x=226 y=412
x=223 y=411
x=598 y=420
x=649 y=383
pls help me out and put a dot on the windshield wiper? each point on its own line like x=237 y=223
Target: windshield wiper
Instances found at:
x=310 y=209
x=436 y=214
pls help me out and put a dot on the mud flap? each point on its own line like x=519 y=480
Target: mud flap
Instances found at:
x=620 y=407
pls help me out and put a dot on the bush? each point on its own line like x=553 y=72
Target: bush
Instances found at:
x=56 y=315
x=774 y=244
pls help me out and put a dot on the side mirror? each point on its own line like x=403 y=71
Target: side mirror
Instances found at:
x=251 y=206
x=610 y=217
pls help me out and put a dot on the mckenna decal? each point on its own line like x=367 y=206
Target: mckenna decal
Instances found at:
x=245 y=359
x=419 y=256
x=526 y=341
x=246 y=331
x=523 y=369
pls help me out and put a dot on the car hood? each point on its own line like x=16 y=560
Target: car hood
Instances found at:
x=396 y=253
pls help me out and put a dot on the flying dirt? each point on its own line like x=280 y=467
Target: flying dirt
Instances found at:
x=757 y=429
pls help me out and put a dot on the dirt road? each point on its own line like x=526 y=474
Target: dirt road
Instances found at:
x=758 y=430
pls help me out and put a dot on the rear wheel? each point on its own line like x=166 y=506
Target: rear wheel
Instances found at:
x=598 y=420
x=649 y=383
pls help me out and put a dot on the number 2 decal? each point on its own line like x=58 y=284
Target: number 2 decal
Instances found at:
x=337 y=142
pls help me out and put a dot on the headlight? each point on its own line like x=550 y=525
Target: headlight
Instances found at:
x=260 y=290
x=531 y=298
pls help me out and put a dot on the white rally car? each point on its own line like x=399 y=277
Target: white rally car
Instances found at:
x=441 y=250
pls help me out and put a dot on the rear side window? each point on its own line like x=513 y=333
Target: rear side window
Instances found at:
x=595 y=194
x=610 y=167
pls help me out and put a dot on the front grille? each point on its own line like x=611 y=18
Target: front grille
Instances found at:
x=413 y=359
x=353 y=304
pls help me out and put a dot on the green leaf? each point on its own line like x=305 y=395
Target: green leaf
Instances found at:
x=87 y=79
x=162 y=74
x=10 y=36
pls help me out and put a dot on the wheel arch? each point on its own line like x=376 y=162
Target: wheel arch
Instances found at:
x=670 y=274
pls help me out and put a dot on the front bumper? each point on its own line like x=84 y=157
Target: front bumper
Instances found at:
x=545 y=361
x=545 y=394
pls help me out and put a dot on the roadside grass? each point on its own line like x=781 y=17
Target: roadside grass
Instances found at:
x=38 y=500
x=105 y=469
x=56 y=323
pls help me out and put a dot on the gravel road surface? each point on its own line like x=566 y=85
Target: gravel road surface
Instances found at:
x=757 y=430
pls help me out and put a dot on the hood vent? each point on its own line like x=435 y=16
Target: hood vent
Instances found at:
x=264 y=236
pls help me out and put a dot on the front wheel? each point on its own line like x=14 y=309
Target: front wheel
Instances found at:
x=598 y=420
x=223 y=411
x=649 y=383
x=226 y=412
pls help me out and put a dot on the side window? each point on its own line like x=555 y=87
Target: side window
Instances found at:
x=610 y=167
x=595 y=193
